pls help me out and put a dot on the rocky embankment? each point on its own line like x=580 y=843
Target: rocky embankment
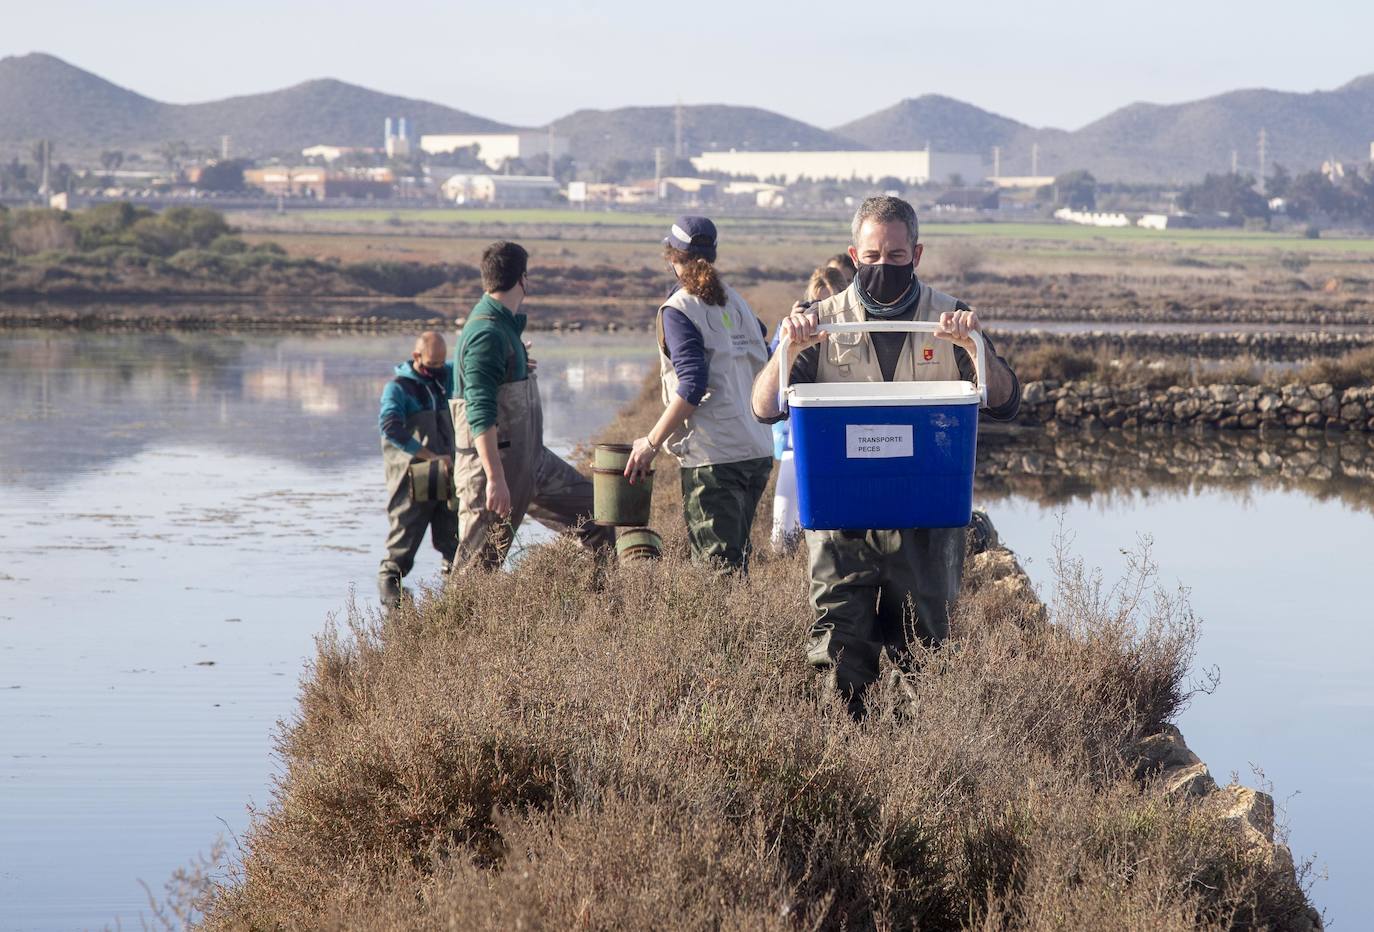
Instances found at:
x=1318 y=407
x=1164 y=762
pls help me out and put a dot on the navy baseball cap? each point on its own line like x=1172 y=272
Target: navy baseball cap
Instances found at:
x=696 y=235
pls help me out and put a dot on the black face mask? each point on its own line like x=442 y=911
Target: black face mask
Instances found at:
x=885 y=283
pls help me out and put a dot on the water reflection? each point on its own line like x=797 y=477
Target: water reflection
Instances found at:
x=1060 y=468
x=179 y=514
x=301 y=398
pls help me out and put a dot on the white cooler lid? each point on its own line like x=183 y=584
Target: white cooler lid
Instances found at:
x=891 y=394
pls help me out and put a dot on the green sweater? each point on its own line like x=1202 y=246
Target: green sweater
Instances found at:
x=489 y=342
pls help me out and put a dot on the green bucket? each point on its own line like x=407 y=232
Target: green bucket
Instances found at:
x=611 y=456
x=640 y=543
x=616 y=502
x=431 y=481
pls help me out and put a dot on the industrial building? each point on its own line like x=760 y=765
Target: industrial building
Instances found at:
x=312 y=181
x=914 y=167
x=532 y=190
x=495 y=148
x=397 y=144
x=334 y=153
x=1031 y=182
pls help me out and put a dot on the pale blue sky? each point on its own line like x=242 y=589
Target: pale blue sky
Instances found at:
x=1058 y=64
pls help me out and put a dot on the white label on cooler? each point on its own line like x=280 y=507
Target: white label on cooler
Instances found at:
x=877 y=441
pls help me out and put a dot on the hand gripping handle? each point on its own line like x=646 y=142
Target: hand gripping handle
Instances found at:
x=885 y=326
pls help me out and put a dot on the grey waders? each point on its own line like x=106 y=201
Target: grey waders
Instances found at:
x=409 y=518
x=877 y=592
x=541 y=484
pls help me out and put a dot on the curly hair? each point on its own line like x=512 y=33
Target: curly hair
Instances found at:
x=697 y=276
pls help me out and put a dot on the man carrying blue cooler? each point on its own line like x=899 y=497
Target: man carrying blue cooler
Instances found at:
x=862 y=581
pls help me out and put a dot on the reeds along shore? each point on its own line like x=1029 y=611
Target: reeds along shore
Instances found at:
x=578 y=746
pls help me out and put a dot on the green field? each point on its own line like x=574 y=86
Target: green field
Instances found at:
x=1225 y=239
x=1072 y=233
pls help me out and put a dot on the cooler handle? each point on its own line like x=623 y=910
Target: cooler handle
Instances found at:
x=884 y=326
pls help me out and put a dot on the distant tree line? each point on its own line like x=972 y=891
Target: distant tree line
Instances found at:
x=1313 y=197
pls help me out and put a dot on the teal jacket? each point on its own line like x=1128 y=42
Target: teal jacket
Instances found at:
x=407 y=393
x=489 y=353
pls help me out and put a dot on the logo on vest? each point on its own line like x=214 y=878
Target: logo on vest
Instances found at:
x=929 y=354
x=725 y=318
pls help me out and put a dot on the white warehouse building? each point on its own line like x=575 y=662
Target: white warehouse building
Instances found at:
x=500 y=189
x=495 y=148
x=914 y=167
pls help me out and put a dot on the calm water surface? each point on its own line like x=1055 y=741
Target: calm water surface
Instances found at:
x=178 y=517
x=180 y=514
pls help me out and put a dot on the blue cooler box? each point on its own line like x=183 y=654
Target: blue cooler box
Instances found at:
x=875 y=455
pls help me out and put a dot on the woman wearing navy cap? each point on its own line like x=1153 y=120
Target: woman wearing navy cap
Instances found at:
x=710 y=348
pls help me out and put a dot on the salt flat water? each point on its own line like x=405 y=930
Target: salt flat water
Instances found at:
x=180 y=514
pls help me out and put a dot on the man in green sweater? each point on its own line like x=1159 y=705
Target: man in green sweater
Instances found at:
x=502 y=468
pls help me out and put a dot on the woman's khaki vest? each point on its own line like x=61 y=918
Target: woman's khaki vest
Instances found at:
x=849 y=357
x=723 y=428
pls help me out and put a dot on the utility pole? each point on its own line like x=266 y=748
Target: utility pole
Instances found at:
x=224 y=147
x=997 y=161
x=677 y=131
x=550 y=150
x=1235 y=162
x=658 y=173
x=1263 y=152
x=47 y=159
x=1035 y=160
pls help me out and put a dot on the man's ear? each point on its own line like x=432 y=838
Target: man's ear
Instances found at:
x=853 y=256
x=916 y=254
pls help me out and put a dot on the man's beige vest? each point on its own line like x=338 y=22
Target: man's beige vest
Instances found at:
x=849 y=357
x=723 y=428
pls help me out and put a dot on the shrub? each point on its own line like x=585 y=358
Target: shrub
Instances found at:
x=403 y=279
x=643 y=746
x=106 y=224
x=1048 y=361
x=1354 y=369
x=228 y=245
x=152 y=236
x=37 y=231
x=196 y=226
x=201 y=262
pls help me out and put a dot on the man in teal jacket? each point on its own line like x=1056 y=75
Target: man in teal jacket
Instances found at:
x=502 y=469
x=416 y=426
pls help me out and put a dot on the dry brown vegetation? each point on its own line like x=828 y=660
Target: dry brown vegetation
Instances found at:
x=572 y=745
x=1347 y=371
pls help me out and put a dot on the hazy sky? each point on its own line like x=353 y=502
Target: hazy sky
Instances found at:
x=1048 y=64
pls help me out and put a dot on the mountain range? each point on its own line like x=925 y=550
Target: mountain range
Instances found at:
x=42 y=96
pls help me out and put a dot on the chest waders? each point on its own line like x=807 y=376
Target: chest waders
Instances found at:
x=541 y=484
x=875 y=592
x=409 y=519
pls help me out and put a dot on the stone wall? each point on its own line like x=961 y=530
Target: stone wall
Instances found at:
x=1228 y=407
x=1268 y=345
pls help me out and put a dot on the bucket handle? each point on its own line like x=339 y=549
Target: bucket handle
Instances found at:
x=884 y=326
